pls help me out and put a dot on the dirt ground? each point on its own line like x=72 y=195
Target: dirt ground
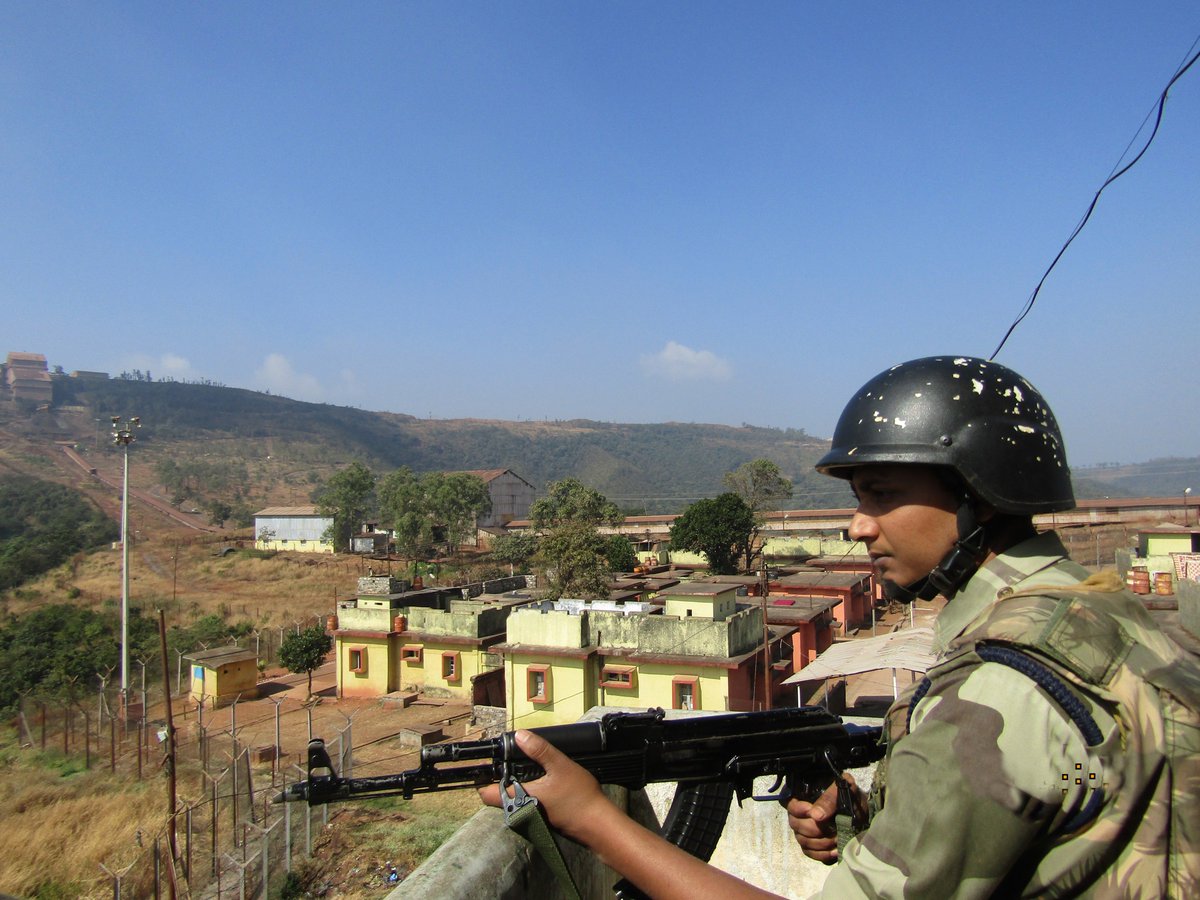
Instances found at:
x=353 y=852
x=375 y=728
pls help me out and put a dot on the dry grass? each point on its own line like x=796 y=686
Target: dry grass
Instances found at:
x=190 y=580
x=366 y=838
x=58 y=824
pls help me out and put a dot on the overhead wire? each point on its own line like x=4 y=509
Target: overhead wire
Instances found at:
x=1157 y=112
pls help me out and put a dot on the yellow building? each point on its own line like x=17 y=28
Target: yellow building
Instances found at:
x=701 y=651
x=432 y=641
x=223 y=675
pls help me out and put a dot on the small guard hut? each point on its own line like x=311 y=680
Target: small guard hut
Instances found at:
x=219 y=676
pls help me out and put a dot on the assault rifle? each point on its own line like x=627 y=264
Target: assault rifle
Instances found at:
x=713 y=758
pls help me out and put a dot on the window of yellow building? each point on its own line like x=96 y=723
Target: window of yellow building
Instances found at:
x=413 y=653
x=451 y=670
x=358 y=660
x=619 y=677
x=685 y=692
x=537 y=684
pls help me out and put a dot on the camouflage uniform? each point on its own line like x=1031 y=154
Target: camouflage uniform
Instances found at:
x=990 y=768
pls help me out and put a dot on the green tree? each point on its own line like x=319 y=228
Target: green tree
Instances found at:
x=576 y=555
x=404 y=510
x=577 y=561
x=569 y=500
x=42 y=524
x=58 y=650
x=456 y=501
x=720 y=527
x=760 y=483
x=304 y=652
x=516 y=549
x=619 y=554
x=348 y=496
x=218 y=511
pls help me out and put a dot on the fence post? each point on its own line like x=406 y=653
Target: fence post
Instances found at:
x=287 y=837
x=157 y=871
x=307 y=817
x=265 y=853
x=187 y=859
x=216 y=860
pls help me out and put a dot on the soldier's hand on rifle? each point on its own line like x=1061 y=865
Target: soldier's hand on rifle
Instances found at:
x=814 y=824
x=568 y=793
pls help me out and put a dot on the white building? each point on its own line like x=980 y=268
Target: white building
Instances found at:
x=292 y=528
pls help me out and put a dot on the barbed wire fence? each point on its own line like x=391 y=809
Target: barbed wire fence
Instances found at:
x=229 y=839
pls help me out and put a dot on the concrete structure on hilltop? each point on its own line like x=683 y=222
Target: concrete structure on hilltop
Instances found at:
x=27 y=377
x=703 y=651
x=292 y=528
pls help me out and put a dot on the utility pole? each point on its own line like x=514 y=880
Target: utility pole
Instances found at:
x=762 y=590
x=123 y=435
x=171 y=799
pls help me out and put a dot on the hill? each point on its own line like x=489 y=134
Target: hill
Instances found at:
x=274 y=450
x=201 y=443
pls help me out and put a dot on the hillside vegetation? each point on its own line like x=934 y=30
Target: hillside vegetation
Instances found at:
x=278 y=449
x=42 y=524
x=207 y=447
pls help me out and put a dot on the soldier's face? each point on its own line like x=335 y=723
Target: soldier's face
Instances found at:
x=905 y=517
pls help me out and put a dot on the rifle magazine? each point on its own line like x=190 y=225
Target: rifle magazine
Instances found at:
x=693 y=823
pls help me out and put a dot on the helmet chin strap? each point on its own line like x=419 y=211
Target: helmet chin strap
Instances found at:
x=958 y=565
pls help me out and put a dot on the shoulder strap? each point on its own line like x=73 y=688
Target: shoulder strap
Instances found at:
x=524 y=815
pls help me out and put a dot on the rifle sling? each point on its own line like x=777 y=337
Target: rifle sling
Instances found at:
x=529 y=821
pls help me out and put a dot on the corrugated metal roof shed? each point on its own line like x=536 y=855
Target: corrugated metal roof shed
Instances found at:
x=222 y=656
x=910 y=648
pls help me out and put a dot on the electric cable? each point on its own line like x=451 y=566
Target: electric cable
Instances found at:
x=1161 y=104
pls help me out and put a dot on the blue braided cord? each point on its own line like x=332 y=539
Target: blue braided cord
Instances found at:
x=917 y=697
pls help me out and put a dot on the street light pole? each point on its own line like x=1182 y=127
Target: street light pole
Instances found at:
x=1186 y=492
x=123 y=435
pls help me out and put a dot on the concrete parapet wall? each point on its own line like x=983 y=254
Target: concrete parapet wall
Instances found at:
x=548 y=628
x=1188 y=595
x=466 y=618
x=366 y=619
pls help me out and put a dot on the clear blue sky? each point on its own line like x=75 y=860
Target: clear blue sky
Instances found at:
x=633 y=212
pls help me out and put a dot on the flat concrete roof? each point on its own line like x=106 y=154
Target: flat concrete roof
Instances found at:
x=784 y=610
x=823 y=579
x=696 y=589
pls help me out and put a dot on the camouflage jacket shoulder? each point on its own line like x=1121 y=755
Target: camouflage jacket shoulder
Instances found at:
x=1011 y=764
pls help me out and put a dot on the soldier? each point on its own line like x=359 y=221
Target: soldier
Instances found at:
x=1054 y=750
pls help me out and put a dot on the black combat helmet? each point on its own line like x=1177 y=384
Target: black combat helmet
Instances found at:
x=979 y=418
